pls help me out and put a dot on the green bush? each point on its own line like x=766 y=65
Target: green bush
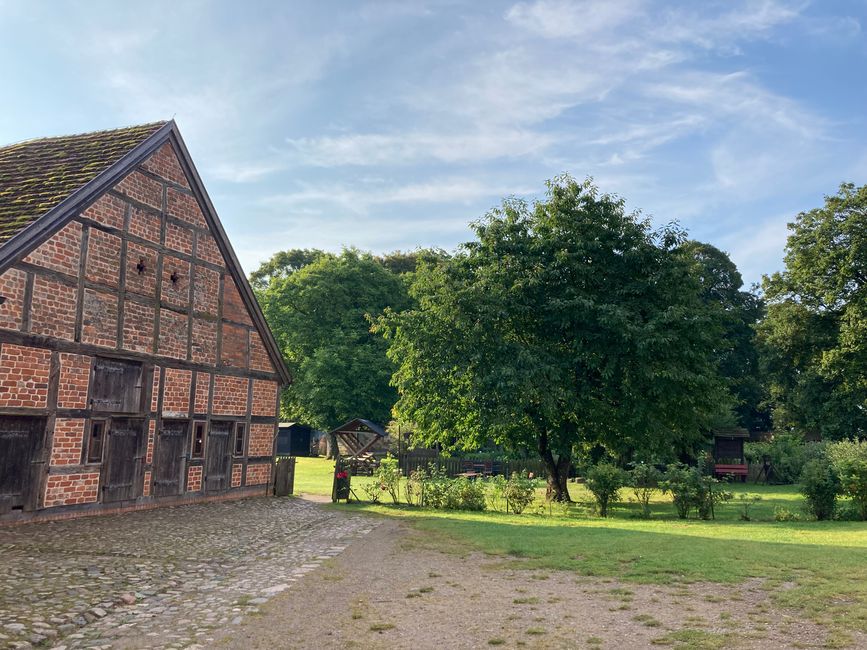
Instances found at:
x=604 y=481
x=820 y=486
x=519 y=492
x=691 y=489
x=387 y=476
x=644 y=480
x=849 y=460
x=787 y=453
x=470 y=494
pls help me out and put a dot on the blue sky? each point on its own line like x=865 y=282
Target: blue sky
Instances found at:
x=390 y=125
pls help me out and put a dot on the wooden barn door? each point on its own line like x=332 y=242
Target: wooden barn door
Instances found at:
x=20 y=440
x=169 y=465
x=218 y=465
x=120 y=471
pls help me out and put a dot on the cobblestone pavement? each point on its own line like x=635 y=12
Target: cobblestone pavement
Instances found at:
x=166 y=578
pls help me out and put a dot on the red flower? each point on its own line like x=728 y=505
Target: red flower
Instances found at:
x=342 y=475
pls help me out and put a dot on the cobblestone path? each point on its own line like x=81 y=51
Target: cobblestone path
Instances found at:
x=166 y=578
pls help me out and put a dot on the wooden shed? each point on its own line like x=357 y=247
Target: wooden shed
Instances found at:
x=136 y=366
x=728 y=452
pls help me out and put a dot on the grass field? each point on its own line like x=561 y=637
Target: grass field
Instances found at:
x=819 y=568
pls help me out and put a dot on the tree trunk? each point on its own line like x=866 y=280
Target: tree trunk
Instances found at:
x=558 y=471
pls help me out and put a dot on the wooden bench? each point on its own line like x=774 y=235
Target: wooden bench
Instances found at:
x=739 y=470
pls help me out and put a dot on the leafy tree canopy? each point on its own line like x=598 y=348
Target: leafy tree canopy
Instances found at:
x=320 y=313
x=738 y=312
x=814 y=339
x=564 y=325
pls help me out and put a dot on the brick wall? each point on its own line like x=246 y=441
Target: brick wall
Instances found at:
x=233 y=306
x=234 y=349
x=68 y=437
x=165 y=164
x=259 y=359
x=203 y=346
x=52 y=308
x=71 y=489
x=203 y=384
x=194 y=478
x=258 y=474
x=12 y=288
x=103 y=258
x=60 y=253
x=24 y=376
x=143 y=189
x=173 y=334
x=261 y=440
x=176 y=392
x=74 y=381
x=138 y=327
x=146 y=488
x=236 y=474
x=108 y=210
x=99 y=318
x=230 y=395
x=264 y=397
x=183 y=206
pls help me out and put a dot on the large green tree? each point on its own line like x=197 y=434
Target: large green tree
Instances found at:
x=563 y=325
x=814 y=338
x=738 y=311
x=320 y=313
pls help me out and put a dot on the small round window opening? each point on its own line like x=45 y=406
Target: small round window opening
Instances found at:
x=141 y=267
x=174 y=277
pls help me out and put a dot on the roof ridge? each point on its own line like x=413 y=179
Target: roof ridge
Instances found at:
x=132 y=127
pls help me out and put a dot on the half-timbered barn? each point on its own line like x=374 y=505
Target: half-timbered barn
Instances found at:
x=136 y=368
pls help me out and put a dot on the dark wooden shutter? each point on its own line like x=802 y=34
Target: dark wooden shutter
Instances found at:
x=218 y=464
x=169 y=458
x=20 y=439
x=121 y=469
x=116 y=386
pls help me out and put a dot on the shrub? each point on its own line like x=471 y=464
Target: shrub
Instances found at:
x=387 y=476
x=784 y=514
x=691 y=488
x=644 y=480
x=604 y=481
x=470 y=494
x=495 y=491
x=373 y=492
x=787 y=453
x=519 y=492
x=820 y=486
x=746 y=502
x=849 y=460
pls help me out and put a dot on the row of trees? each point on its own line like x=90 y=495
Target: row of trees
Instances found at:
x=571 y=327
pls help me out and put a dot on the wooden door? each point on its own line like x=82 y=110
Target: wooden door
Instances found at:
x=20 y=441
x=120 y=471
x=170 y=457
x=116 y=386
x=218 y=464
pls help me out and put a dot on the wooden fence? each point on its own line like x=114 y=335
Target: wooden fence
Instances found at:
x=452 y=466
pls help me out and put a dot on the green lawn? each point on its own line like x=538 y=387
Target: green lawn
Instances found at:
x=822 y=565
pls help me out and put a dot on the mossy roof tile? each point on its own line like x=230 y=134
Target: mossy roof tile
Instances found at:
x=37 y=175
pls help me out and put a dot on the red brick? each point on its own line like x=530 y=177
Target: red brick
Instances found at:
x=194 y=478
x=99 y=318
x=155 y=392
x=261 y=440
x=138 y=327
x=164 y=163
x=234 y=308
x=264 y=397
x=230 y=395
x=206 y=291
x=184 y=206
x=234 y=346
x=141 y=269
x=108 y=210
x=68 y=436
x=176 y=292
x=204 y=342
x=74 y=381
x=71 y=489
x=203 y=385
x=179 y=238
x=12 y=288
x=146 y=488
x=206 y=249
x=173 y=334
x=52 y=310
x=176 y=392
x=61 y=252
x=103 y=258
x=143 y=189
x=259 y=357
x=149 y=453
x=145 y=224
x=258 y=474
x=236 y=474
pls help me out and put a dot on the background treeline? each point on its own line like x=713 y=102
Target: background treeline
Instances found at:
x=570 y=328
